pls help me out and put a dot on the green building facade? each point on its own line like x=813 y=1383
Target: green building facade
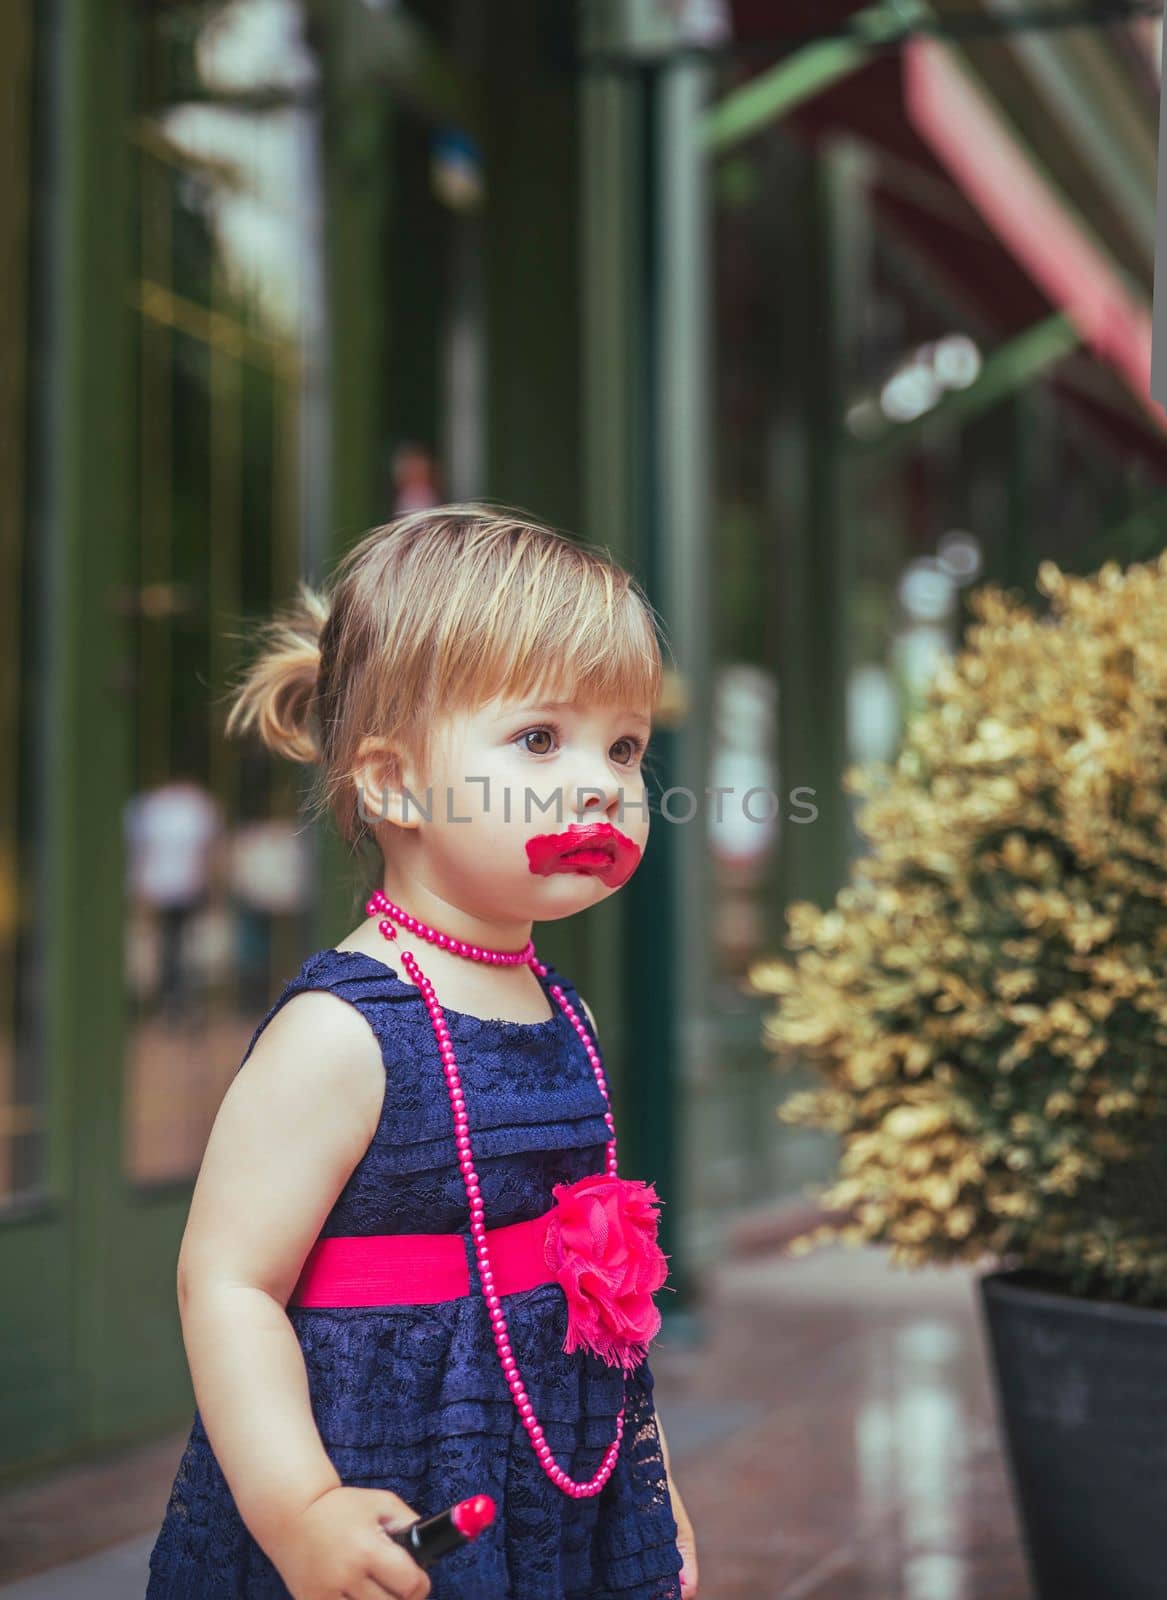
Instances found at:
x=273 y=268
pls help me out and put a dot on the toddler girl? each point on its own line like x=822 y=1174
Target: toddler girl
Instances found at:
x=411 y=1272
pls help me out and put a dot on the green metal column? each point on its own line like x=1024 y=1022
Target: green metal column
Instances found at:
x=680 y=577
x=42 y=1395
x=822 y=289
x=611 y=208
x=84 y=521
x=646 y=320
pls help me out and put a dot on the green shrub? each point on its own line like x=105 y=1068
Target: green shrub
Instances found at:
x=986 y=1001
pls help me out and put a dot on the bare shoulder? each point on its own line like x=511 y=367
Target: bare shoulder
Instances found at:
x=317 y=1051
x=295 y=1121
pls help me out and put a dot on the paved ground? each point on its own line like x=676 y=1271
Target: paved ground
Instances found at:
x=118 y=1573
x=857 y=1457
x=833 y=1435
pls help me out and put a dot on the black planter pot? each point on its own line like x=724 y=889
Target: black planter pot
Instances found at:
x=1082 y=1396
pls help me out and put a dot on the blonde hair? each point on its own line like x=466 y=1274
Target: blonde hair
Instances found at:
x=436 y=612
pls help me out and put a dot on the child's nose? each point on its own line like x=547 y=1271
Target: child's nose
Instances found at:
x=597 y=795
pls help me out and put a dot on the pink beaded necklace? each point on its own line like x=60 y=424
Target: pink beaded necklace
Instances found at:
x=380 y=905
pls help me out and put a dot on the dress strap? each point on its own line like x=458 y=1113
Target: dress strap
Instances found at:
x=358 y=982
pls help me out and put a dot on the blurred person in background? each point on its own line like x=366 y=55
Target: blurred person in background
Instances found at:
x=171 y=834
x=415 y=478
x=268 y=877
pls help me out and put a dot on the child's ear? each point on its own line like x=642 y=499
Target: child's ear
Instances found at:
x=381 y=778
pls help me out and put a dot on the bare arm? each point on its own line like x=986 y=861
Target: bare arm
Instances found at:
x=294 y=1123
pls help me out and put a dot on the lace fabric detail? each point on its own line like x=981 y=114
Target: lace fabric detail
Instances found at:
x=526 y=1094
x=543 y=1545
x=412 y=1398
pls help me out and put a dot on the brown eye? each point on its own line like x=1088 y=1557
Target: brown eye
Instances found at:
x=537 y=733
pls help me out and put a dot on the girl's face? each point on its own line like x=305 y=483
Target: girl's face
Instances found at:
x=512 y=788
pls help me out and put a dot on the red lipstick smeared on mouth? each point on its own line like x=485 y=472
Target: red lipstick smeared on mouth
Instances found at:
x=601 y=849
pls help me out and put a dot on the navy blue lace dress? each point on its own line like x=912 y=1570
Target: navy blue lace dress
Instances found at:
x=412 y=1398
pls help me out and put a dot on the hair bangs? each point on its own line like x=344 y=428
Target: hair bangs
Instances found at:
x=575 y=630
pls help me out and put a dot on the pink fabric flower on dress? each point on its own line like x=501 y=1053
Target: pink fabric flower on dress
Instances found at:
x=601 y=1246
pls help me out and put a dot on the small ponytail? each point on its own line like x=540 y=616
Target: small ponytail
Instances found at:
x=277 y=692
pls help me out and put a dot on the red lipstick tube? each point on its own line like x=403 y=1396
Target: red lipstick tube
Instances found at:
x=432 y=1537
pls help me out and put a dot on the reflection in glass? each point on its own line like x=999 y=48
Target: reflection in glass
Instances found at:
x=745 y=816
x=217 y=875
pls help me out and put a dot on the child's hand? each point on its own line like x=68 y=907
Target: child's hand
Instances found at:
x=686 y=1543
x=337 y=1546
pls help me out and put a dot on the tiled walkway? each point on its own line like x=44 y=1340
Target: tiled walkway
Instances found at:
x=858 y=1457
x=834 y=1438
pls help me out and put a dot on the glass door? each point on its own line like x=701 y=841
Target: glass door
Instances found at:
x=216 y=858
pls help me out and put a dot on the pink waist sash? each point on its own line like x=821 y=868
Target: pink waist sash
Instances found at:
x=417 y=1269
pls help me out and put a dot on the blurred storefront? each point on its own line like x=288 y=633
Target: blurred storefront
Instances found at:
x=932 y=266
x=249 y=281
x=279 y=268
